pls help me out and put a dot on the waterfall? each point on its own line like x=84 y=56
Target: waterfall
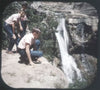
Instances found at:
x=69 y=65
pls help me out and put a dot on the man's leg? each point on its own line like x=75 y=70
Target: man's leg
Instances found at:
x=23 y=56
x=17 y=41
x=37 y=44
x=11 y=44
x=8 y=29
x=36 y=53
x=22 y=33
x=9 y=32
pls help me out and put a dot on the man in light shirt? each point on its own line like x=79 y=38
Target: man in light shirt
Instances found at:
x=24 y=46
x=24 y=19
x=9 y=27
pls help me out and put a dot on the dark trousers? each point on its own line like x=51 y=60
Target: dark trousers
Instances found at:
x=34 y=53
x=24 y=24
x=9 y=31
x=22 y=33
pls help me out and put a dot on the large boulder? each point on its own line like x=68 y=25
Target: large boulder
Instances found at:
x=87 y=65
x=42 y=75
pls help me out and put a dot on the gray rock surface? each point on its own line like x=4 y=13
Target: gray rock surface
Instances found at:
x=42 y=75
x=82 y=46
x=82 y=25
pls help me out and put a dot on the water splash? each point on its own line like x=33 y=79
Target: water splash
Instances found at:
x=69 y=65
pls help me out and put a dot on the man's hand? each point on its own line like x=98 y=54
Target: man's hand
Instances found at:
x=21 y=29
x=31 y=63
x=14 y=37
x=28 y=54
x=19 y=35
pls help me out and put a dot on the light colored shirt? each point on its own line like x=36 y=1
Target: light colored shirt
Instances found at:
x=28 y=38
x=12 y=18
x=24 y=18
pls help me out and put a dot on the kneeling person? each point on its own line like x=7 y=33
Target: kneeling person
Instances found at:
x=24 y=46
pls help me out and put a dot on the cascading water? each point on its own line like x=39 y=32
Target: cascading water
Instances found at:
x=69 y=65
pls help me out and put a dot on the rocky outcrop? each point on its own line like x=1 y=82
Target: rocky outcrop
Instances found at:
x=82 y=26
x=42 y=75
x=73 y=12
x=88 y=66
x=81 y=22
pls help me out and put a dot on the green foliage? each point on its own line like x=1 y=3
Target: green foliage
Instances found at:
x=47 y=38
x=12 y=8
x=51 y=22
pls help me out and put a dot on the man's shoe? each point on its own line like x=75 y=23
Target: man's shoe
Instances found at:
x=20 y=61
x=37 y=62
x=9 y=52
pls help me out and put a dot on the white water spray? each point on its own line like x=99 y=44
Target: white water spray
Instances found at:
x=68 y=63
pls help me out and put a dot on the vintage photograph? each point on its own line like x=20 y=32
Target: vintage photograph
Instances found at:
x=49 y=44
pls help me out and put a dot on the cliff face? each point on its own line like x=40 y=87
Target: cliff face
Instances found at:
x=82 y=26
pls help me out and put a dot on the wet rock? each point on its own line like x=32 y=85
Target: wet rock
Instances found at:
x=87 y=65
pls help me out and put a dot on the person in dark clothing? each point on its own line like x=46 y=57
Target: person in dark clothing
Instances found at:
x=9 y=27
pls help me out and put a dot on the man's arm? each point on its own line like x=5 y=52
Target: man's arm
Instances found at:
x=20 y=26
x=13 y=28
x=28 y=54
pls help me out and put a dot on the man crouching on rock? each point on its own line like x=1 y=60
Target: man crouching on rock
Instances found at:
x=25 y=44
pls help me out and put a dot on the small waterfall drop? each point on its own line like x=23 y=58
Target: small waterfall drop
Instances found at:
x=69 y=65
